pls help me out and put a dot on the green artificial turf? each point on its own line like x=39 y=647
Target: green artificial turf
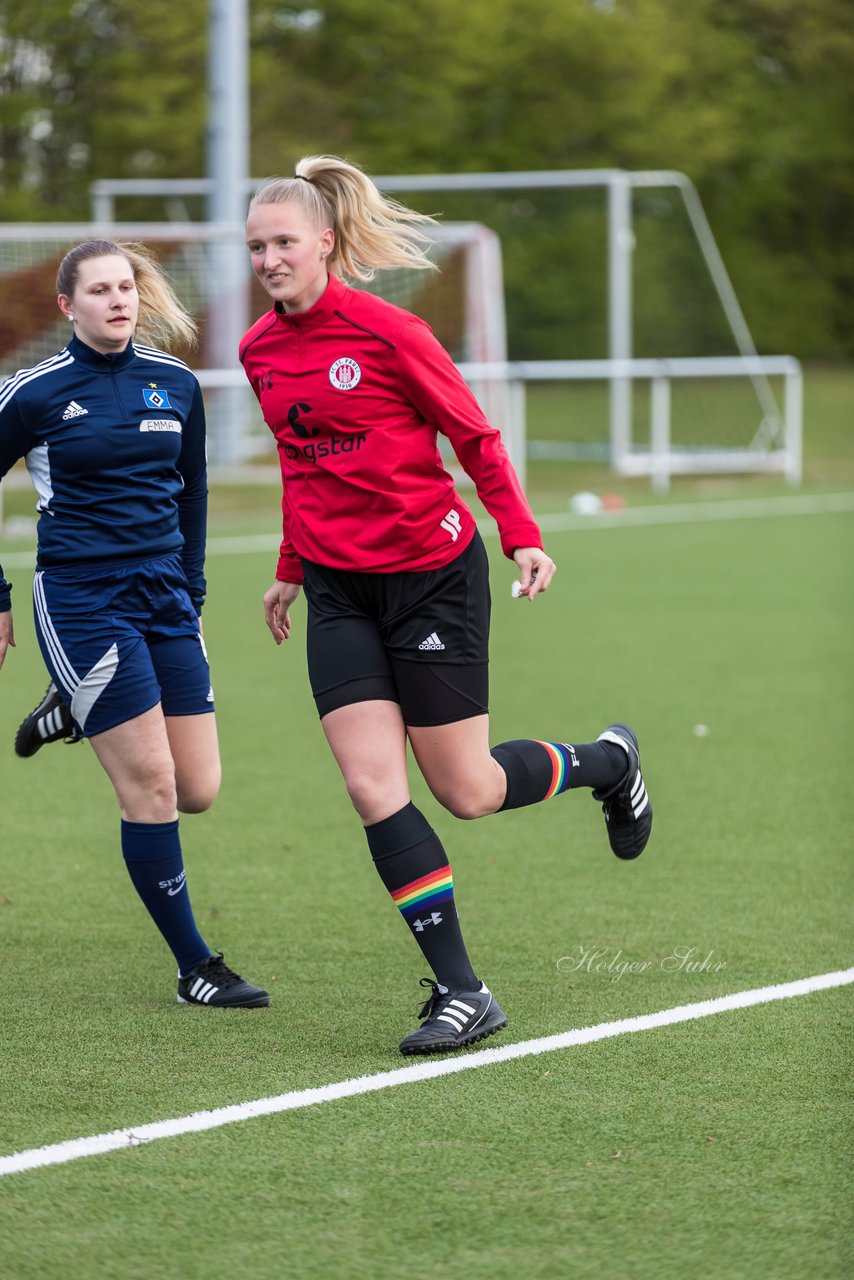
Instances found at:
x=713 y=1148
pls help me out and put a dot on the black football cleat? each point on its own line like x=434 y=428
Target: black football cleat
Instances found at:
x=212 y=983
x=454 y=1019
x=48 y=722
x=627 y=807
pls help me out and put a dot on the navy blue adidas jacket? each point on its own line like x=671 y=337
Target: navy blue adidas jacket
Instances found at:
x=115 y=447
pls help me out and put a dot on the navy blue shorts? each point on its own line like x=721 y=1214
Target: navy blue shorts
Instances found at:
x=419 y=639
x=118 y=640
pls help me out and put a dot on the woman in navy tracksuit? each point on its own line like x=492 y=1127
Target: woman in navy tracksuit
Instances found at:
x=113 y=433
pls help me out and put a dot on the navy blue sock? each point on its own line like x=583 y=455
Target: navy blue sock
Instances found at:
x=539 y=770
x=152 y=852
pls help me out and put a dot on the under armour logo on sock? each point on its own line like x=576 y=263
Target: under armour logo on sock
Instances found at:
x=419 y=926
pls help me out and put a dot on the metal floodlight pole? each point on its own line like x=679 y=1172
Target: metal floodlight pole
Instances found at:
x=228 y=167
x=620 y=247
x=228 y=115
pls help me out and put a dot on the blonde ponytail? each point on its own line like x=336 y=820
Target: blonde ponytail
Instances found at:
x=372 y=231
x=163 y=320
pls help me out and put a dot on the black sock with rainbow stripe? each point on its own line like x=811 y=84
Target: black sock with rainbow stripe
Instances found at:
x=414 y=868
x=539 y=770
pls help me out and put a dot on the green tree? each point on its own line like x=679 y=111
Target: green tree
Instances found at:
x=97 y=88
x=751 y=98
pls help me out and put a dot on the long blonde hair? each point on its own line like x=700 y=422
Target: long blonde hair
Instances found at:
x=372 y=231
x=163 y=319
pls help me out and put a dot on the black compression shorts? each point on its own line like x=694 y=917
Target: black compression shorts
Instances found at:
x=419 y=639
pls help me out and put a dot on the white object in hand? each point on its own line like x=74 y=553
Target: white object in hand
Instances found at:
x=516 y=589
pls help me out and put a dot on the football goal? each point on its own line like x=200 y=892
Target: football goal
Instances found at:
x=658 y=374
x=209 y=268
x=657 y=368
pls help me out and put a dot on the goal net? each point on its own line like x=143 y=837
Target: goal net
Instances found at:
x=628 y=343
x=624 y=328
x=209 y=268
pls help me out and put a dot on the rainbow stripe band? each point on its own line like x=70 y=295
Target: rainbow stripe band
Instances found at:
x=558 y=759
x=425 y=893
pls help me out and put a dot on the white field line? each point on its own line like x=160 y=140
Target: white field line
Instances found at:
x=628 y=517
x=78 y=1148
x=807 y=504
x=558 y=522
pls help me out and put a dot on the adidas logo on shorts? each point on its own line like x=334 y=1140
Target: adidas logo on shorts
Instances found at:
x=432 y=642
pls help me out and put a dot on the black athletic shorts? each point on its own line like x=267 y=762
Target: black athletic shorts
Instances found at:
x=420 y=639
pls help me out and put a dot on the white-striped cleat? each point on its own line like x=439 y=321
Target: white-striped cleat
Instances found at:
x=48 y=722
x=627 y=807
x=454 y=1019
x=212 y=983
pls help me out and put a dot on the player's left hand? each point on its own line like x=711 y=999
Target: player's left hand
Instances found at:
x=536 y=570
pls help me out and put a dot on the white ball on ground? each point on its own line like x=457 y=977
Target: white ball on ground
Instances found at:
x=585 y=504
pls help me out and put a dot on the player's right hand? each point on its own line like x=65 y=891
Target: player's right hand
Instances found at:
x=277 y=601
x=7 y=634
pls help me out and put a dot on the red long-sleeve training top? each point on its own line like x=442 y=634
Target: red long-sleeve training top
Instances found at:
x=355 y=391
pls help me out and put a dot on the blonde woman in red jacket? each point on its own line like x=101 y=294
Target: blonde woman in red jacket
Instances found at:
x=395 y=575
